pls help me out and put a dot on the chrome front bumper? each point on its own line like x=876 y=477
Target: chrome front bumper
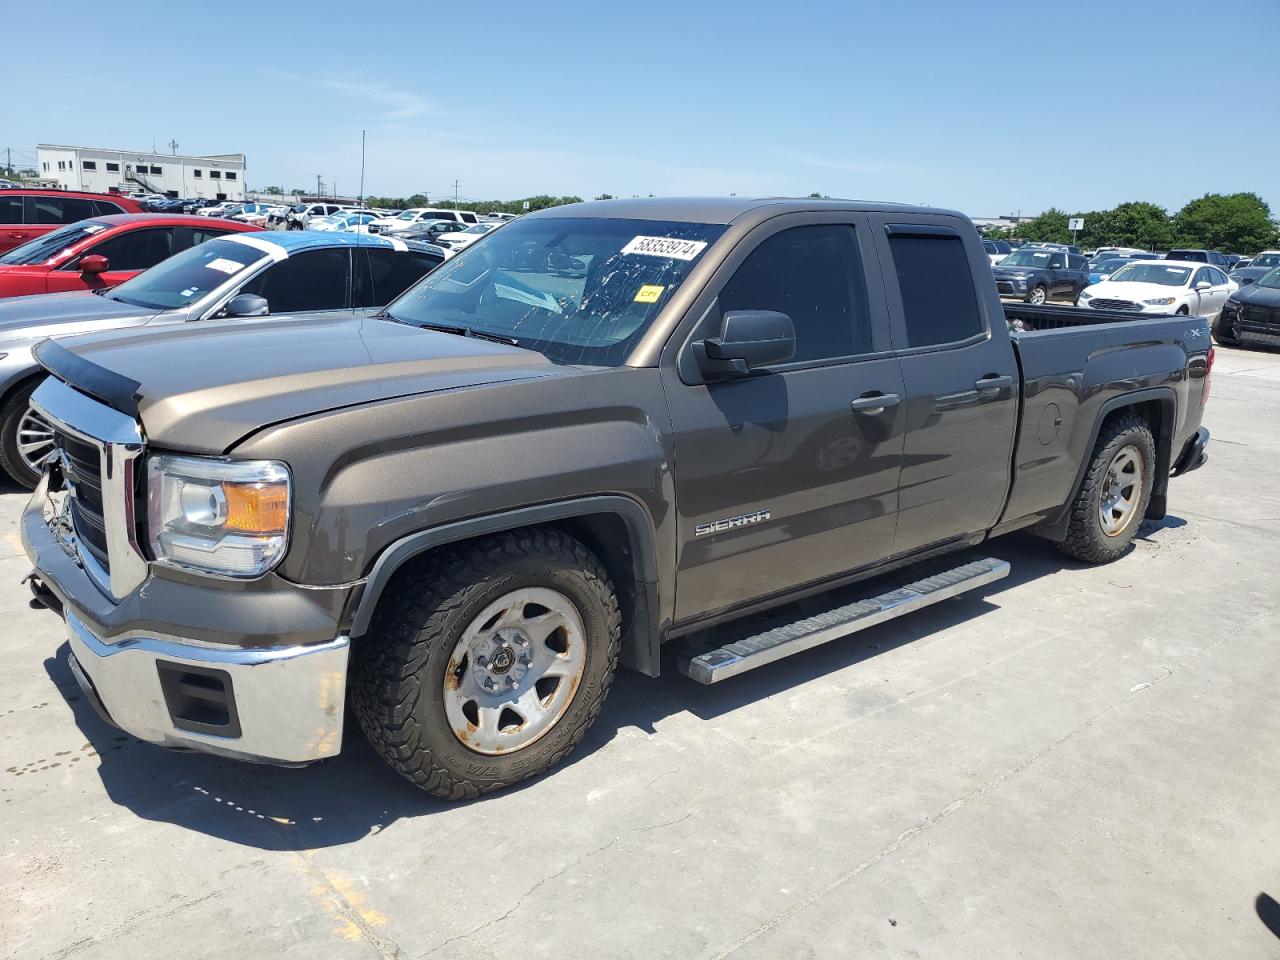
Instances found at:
x=280 y=705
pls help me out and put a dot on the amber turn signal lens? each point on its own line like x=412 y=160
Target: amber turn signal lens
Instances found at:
x=257 y=507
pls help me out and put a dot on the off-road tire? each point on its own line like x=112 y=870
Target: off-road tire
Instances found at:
x=1044 y=295
x=399 y=666
x=11 y=414
x=1085 y=538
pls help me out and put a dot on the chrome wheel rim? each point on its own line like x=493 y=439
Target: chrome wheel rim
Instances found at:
x=1121 y=491
x=514 y=671
x=36 y=442
x=1037 y=296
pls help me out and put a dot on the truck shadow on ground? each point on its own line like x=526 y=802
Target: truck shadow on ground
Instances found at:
x=355 y=795
x=1268 y=913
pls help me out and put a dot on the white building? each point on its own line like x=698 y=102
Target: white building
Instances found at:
x=217 y=177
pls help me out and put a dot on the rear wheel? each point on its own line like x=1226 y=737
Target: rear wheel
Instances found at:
x=1112 y=500
x=26 y=438
x=1037 y=296
x=486 y=664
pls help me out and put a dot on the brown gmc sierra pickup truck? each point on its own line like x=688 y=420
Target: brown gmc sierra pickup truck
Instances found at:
x=599 y=428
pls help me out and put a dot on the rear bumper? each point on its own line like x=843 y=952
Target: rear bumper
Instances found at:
x=1193 y=455
x=283 y=705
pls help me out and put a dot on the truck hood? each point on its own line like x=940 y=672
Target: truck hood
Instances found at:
x=200 y=388
x=61 y=314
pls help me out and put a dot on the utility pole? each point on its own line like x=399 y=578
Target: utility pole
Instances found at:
x=173 y=145
x=318 y=185
x=455 y=192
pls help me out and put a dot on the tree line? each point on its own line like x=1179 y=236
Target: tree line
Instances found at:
x=1232 y=223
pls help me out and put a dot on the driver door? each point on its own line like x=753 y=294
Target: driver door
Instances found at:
x=128 y=254
x=782 y=478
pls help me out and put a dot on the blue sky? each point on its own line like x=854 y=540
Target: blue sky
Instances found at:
x=989 y=107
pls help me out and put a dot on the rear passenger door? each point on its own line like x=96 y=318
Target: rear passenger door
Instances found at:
x=961 y=381
x=779 y=481
x=13 y=228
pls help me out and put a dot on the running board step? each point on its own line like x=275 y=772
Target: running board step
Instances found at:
x=762 y=648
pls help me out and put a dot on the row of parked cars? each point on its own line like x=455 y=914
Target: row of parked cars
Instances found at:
x=118 y=267
x=1194 y=282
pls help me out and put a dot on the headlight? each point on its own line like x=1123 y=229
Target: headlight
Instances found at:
x=1160 y=301
x=1086 y=295
x=229 y=517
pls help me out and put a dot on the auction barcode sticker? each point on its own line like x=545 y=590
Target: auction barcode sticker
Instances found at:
x=225 y=266
x=665 y=247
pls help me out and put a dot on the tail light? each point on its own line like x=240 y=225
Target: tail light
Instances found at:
x=1208 y=375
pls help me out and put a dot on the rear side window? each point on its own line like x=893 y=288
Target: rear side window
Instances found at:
x=105 y=208
x=938 y=300
x=814 y=276
x=393 y=273
x=10 y=209
x=62 y=209
x=313 y=280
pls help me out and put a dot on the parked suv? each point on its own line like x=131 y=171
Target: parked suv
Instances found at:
x=239 y=275
x=1200 y=256
x=26 y=214
x=1040 y=274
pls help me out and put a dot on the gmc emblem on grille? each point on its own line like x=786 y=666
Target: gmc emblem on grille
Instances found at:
x=730 y=523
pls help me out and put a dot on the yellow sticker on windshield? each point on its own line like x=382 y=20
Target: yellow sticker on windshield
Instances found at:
x=649 y=293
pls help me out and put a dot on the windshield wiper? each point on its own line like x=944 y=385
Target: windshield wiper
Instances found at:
x=457 y=330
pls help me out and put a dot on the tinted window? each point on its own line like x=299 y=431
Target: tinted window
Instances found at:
x=137 y=249
x=105 y=208
x=113 y=168
x=1076 y=262
x=814 y=276
x=1196 y=256
x=186 y=277
x=62 y=209
x=938 y=299
x=313 y=280
x=393 y=273
x=1057 y=262
x=10 y=209
x=200 y=234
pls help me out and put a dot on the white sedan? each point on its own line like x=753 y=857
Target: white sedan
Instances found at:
x=464 y=238
x=1163 y=286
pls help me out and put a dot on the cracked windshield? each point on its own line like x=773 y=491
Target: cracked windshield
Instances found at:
x=581 y=291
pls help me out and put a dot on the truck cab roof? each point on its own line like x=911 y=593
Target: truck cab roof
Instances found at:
x=723 y=210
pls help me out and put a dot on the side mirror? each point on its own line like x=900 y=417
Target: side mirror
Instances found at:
x=94 y=264
x=748 y=339
x=1203 y=285
x=248 y=305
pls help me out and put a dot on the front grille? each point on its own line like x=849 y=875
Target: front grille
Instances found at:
x=1099 y=303
x=1255 y=314
x=82 y=470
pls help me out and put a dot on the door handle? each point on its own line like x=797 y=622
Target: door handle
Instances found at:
x=992 y=382
x=874 y=404
x=17 y=236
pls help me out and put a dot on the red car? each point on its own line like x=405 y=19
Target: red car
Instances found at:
x=26 y=214
x=104 y=251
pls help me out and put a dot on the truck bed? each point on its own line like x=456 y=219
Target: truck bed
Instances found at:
x=1024 y=318
x=1074 y=364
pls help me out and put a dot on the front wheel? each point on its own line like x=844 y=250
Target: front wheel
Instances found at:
x=486 y=664
x=1112 y=500
x=1223 y=334
x=1037 y=296
x=26 y=438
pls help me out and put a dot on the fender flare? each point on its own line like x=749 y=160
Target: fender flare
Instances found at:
x=1056 y=528
x=643 y=640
